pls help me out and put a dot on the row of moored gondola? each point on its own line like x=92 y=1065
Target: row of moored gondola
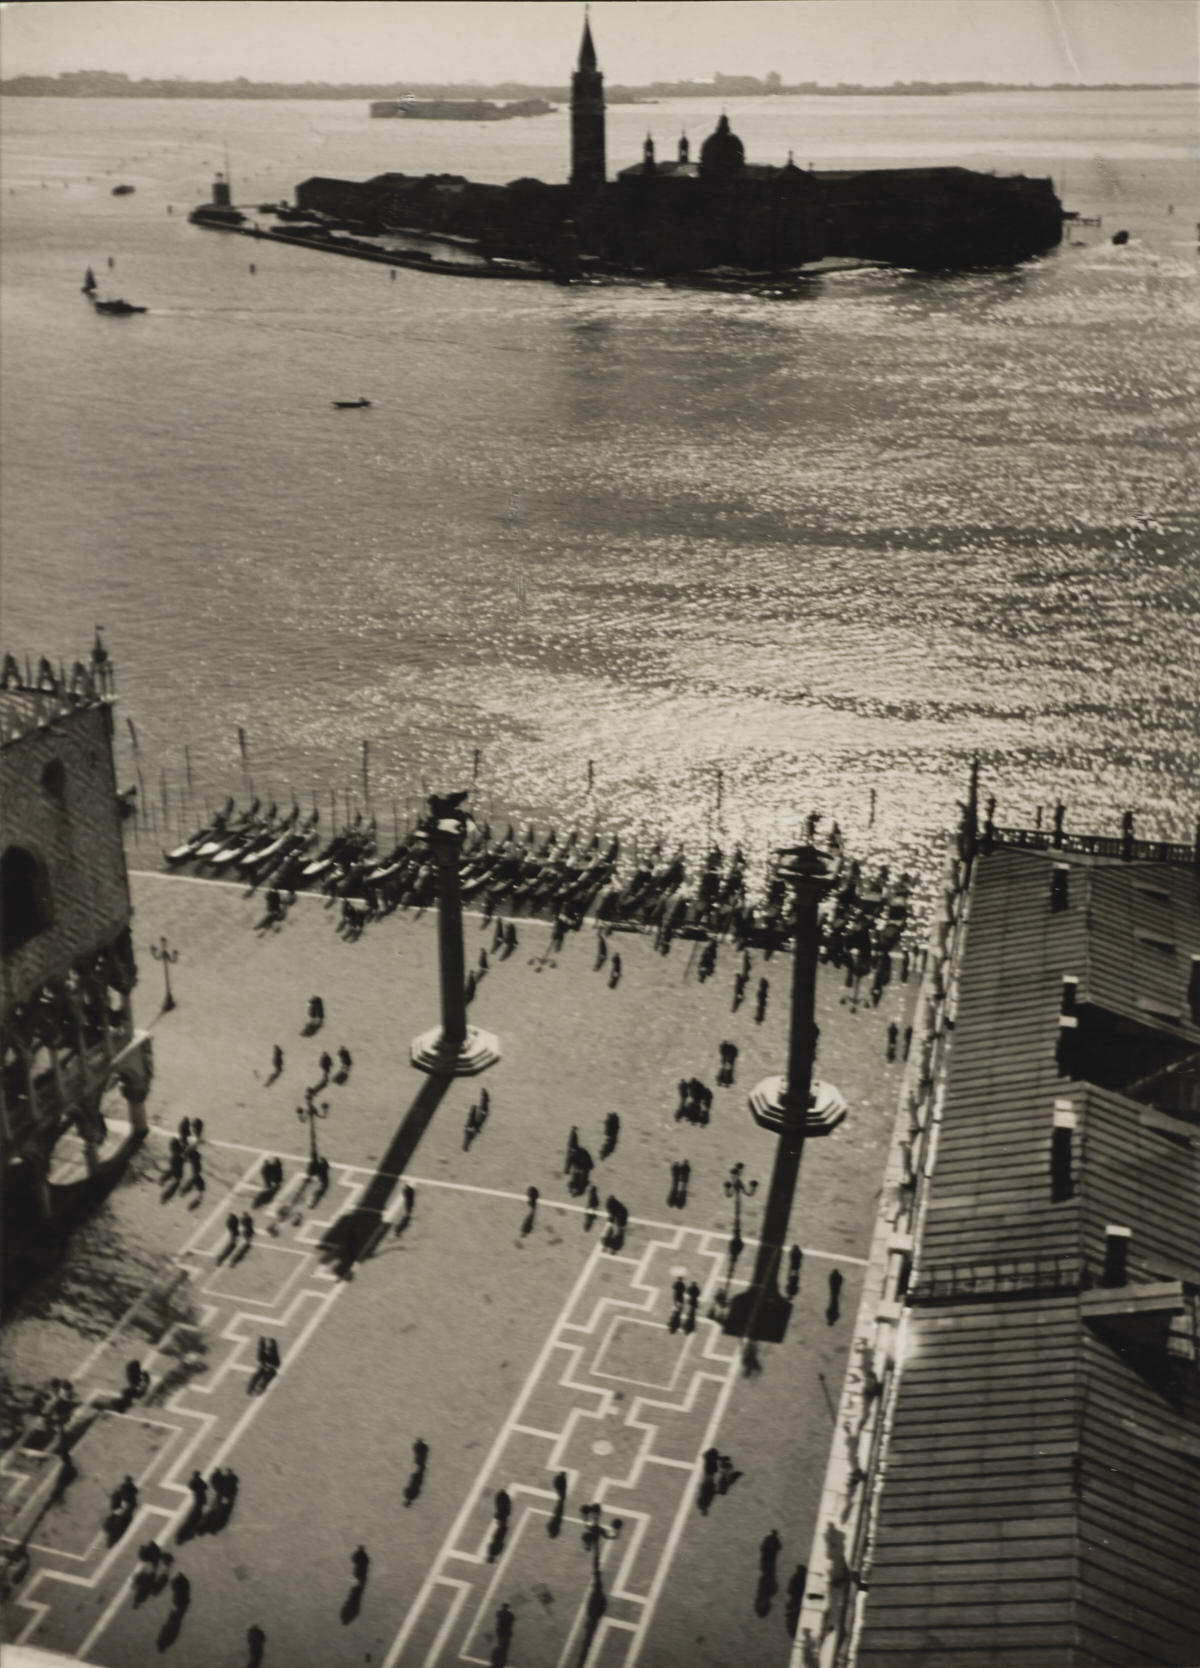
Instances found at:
x=543 y=876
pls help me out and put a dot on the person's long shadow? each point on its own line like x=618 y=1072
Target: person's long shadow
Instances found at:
x=415 y=1484
x=168 y=1633
x=768 y=1586
x=555 y=1523
x=116 y=1524
x=353 y=1603
x=352 y=1235
x=499 y=1536
x=795 y=1598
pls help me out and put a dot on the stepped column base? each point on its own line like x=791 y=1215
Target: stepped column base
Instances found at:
x=477 y=1051
x=768 y=1103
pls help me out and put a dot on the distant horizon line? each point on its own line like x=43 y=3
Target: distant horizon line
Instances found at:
x=66 y=83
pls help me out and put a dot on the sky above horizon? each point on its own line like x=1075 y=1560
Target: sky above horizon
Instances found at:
x=637 y=41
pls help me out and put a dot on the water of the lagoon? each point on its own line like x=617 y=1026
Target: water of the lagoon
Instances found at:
x=821 y=545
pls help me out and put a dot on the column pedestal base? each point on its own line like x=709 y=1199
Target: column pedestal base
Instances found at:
x=768 y=1103
x=477 y=1051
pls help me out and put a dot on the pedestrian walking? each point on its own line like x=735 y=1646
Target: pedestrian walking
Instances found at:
x=137 y=1379
x=893 y=1034
x=410 y=1198
x=256 y=1639
x=907 y=1040
x=593 y=1198
x=510 y=936
x=678 y=1291
x=614 y=976
x=483 y=962
x=185 y=1130
x=197 y=1129
x=199 y=1490
x=485 y=1102
x=323 y=1172
x=231 y=1226
x=531 y=1197
x=277 y=1060
x=724 y=1474
x=612 y=1129
x=572 y=1149
x=505 y=1622
x=502 y=1505
x=181 y=1591
x=196 y=1162
x=360 y=1563
x=469 y=991
x=247 y=1229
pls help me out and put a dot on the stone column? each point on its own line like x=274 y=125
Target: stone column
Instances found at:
x=454 y=1047
x=784 y=1102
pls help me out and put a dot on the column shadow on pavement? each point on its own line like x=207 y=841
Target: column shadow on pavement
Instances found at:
x=352 y=1235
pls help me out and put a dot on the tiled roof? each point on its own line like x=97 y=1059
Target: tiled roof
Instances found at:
x=1040 y=1497
x=1041 y=1504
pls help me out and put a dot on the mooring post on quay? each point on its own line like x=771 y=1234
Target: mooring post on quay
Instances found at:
x=761 y=1311
x=452 y=1048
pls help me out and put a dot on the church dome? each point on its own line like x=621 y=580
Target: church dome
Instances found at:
x=722 y=153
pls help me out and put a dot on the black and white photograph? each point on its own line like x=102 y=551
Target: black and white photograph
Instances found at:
x=600 y=833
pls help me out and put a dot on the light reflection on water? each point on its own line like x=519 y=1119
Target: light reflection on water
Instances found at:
x=821 y=546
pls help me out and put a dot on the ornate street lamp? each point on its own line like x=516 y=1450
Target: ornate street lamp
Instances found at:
x=312 y=1112
x=596 y=1533
x=163 y=952
x=738 y=1189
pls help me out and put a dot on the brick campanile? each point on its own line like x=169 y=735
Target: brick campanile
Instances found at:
x=587 y=118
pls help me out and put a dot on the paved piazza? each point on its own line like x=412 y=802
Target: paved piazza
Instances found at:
x=517 y=1349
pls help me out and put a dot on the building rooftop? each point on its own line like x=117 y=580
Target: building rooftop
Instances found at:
x=28 y=700
x=1040 y=1494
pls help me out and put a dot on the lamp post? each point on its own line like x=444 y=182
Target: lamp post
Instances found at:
x=163 y=952
x=312 y=1112
x=738 y=1189
x=596 y=1533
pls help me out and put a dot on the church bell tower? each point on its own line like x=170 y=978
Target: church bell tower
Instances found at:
x=587 y=118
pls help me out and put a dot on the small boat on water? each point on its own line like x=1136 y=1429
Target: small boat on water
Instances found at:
x=89 y=282
x=121 y=308
x=351 y=405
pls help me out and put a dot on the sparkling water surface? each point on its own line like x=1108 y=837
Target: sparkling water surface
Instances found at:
x=771 y=553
